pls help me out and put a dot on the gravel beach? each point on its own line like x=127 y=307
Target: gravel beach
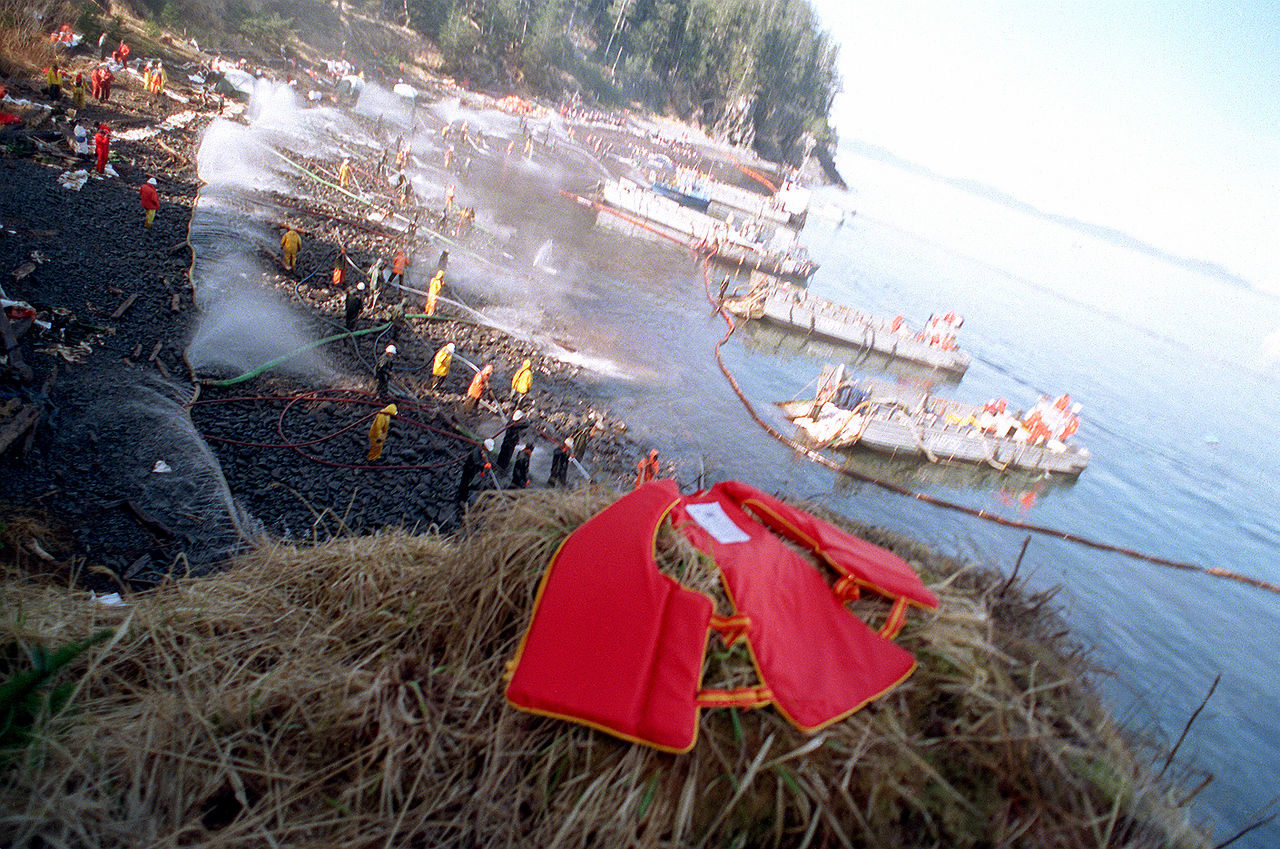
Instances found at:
x=115 y=462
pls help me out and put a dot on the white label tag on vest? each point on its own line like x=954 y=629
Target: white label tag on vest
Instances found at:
x=716 y=522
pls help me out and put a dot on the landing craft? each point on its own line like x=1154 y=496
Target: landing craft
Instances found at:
x=906 y=422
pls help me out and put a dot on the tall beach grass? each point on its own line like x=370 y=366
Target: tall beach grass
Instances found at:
x=350 y=694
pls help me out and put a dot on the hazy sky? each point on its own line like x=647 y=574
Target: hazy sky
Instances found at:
x=1161 y=119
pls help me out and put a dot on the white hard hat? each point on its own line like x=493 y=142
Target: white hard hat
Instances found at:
x=488 y=444
x=152 y=181
x=1075 y=408
x=360 y=286
x=450 y=346
x=391 y=349
x=517 y=415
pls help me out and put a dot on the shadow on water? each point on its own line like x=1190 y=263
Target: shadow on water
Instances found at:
x=771 y=340
x=1014 y=487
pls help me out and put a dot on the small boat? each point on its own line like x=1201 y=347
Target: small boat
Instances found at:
x=740 y=247
x=907 y=422
x=684 y=195
x=788 y=207
x=819 y=318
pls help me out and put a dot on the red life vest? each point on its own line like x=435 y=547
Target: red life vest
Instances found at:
x=615 y=644
x=819 y=661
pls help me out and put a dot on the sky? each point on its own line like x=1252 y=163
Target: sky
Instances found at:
x=1160 y=119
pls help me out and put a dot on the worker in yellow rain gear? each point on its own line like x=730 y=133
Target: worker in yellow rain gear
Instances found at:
x=378 y=431
x=157 y=79
x=441 y=364
x=53 y=78
x=344 y=173
x=433 y=292
x=522 y=382
x=78 y=91
x=290 y=244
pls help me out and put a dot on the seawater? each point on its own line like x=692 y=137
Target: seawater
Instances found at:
x=1177 y=377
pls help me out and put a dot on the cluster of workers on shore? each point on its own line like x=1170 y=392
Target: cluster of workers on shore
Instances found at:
x=60 y=81
x=101 y=78
x=513 y=457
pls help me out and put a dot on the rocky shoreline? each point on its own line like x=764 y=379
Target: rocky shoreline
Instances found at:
x=91 y=468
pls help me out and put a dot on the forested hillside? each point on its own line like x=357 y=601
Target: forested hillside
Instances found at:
x=759 y=73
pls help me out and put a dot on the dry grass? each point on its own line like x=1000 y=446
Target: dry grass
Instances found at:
x=351 y=694
x=24 y=34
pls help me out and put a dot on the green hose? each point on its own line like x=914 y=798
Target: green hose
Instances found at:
x=232 y=381
x=458 y=319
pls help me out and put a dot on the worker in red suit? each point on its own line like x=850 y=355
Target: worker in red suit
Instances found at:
x=150 y=200
x=102 y=144
x=647 y=469
x=105 y=79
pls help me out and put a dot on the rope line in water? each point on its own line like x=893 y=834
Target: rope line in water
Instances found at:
x=823 y=460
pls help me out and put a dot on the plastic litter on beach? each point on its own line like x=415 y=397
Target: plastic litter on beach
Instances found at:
x=137 y=134
x=73 y=180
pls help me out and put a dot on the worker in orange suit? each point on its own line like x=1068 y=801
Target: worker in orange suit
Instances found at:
x=397 y=268
x=340 y=269
x=100 y=82
x=150 y=201
x=479 y=384
x=378 y=431
x=647 y=469
x=344 y=173
x=159 y=77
